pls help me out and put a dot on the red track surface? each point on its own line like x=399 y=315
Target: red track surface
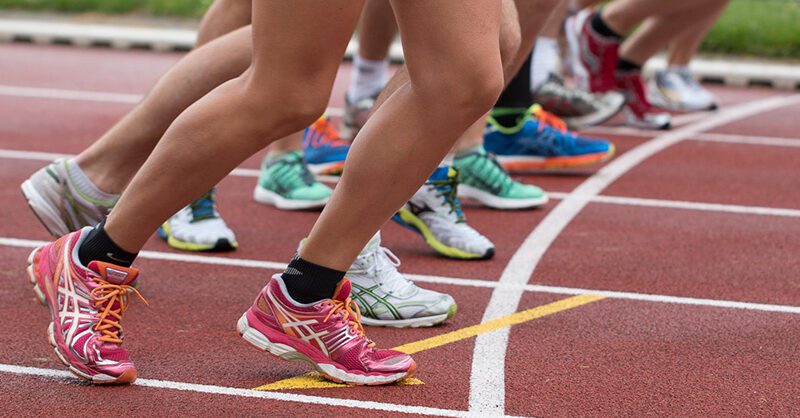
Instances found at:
x=613 y=356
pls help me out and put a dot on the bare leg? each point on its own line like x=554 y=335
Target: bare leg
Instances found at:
x=684 y=46
x=413 y=129
x=112 y=160
x=622 y=15
x=224 y=16
x=656 y=32
x=230 y=123
x=376 y=30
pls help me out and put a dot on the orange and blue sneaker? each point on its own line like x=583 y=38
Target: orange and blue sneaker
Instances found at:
x=86 y=306
x=324 y=149
x=540 y=140
x=327 y=334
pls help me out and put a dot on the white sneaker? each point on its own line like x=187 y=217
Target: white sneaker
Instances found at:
x=677 y=90
x=435 y=213
x=198 y=227
x=386 y=298
x=55 y=199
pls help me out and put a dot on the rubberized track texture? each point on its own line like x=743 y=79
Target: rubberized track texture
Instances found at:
x=663 y=283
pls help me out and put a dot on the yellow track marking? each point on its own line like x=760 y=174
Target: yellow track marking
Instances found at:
x=315 y=381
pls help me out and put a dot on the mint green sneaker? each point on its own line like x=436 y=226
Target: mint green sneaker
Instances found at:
x=287 y=184
x=485 y=180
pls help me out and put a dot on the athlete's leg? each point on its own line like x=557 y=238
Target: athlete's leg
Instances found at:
x=112 y=161
x=223 y=17
x=621 y=16
x=656 y=32
x=409 y=134
x=685 y=45
x=231 y=123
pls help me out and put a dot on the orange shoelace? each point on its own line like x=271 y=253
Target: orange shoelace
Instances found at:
x=328 y=131
x=350 y=314
x=549 y=119
x=106 y=296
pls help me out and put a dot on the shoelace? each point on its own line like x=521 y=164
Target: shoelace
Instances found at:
x=293 y=172
x=448 y=189
x=381 y=260
x=497 y=175
x=549 y=119
x=106 y=296
x=689 y=81
x=203 y=207
x=351 y=316
x=328 y=133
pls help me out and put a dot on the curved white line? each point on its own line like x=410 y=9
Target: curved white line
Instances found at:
x=487 y=379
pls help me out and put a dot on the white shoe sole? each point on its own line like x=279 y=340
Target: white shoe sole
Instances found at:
x=492 y=201
x=427 y=321
x=285 y=352
x=267 y=197
x=43 y=208
x=596 y=118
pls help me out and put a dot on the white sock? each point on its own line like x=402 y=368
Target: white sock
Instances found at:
x=82 y=182
x=545 y=61
x=369 y=78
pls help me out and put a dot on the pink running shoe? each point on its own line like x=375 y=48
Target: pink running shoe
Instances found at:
x=327 y=334
x=594 y=57
x=86 y=306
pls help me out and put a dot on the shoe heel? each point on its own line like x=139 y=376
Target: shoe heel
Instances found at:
x=33 y=273
x=262 y=342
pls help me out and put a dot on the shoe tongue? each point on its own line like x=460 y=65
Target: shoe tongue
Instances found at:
x=342 y=291
x=373 y=243
x=440 y=173
x=114 y=274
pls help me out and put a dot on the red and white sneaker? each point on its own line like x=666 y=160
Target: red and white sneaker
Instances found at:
x=327 y=334
x=86 y=306
x=638 y=110
x=593 y=56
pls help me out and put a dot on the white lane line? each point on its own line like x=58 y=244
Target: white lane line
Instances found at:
x=93 y=96
x=248 y=393
x=680 y=204
x=487 y=378
x=750 y=140
x=452 y=281
x=61 y=94
x=615 y=200
x=773 y=141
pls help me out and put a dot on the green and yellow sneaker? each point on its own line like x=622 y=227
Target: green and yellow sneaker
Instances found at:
x=485 y=180
x=287 y=184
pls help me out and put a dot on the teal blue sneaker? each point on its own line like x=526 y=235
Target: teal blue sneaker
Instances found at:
x=287 y=184
x=485 y=180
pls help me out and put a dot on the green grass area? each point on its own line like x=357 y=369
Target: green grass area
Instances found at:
x=177 y=8
x=766 y=28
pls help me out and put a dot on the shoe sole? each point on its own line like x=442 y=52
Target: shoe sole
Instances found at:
x=128 y=377
x=428 y=321
x=329 y=371
x=496 y=202
x=518 y=163
x=221 y=245
x=597 y=118
x=331 y=169
x=413 y=223
x=49 y=218
x=268 y=197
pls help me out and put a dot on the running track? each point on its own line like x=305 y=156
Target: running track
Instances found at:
x=665 y=283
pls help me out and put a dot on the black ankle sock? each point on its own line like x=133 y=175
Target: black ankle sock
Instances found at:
x=98 y=246
x=625 y=65
x=599 y=25
x=307 y=282
x=516 y=98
